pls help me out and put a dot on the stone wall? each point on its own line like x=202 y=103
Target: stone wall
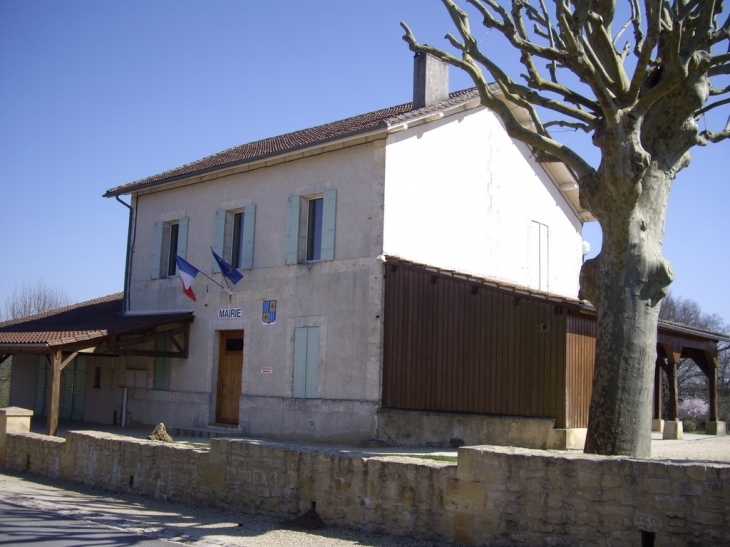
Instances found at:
x=494 y=496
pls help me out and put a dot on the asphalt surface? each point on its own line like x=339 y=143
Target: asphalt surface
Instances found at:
x=27 y=526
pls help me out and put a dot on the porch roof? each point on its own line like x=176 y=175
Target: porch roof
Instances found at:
x=83 y=325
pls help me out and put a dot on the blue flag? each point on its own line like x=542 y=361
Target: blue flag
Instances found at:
x=228 y=271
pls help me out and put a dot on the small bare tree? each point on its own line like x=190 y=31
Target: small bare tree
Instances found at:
x=640 y=103
x=31 y=298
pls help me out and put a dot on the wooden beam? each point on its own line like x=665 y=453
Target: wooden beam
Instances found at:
x=4 y=357
x=119 y=346
x=176 y=344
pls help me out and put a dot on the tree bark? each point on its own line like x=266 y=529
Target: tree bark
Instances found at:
x=626 y=283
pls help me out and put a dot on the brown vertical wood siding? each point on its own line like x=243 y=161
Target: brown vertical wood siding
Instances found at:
x=461 y=346
x=579 y=363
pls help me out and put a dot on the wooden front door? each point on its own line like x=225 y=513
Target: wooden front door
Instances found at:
x=230 y=367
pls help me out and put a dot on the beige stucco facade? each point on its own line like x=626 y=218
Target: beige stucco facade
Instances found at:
x=452 y=191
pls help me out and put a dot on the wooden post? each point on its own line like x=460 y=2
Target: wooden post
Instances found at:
x=56 y=365
x=712 y=375
x=658 y=389
x=673 y=359
x=54 y=391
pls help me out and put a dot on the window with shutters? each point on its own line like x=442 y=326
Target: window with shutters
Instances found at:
x=310 y=228
x=234 y=237
x=538 y=255
x=170 y=239
x=306 y=358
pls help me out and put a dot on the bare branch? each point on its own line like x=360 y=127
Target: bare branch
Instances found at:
x=721 y=91
x=653 y=16
x=711 y=136
x=574 y=125
x=707 y=108
x=502 y=109
x=719 y=70
x=605 y=51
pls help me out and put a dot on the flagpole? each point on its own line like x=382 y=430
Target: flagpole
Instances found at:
x=229 y=291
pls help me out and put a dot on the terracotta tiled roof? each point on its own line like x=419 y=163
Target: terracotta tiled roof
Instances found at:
x=682 y=326
x=78 y=322
x=293 y=141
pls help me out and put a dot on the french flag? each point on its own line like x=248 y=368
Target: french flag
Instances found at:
x=187 y=274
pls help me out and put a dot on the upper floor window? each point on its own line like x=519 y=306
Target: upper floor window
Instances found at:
x=170 y=239
x=314 y=229
x=234 y=237
x=310 y=228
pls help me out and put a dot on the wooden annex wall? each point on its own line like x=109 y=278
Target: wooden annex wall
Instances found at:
x=459 y=345
x=579 y=362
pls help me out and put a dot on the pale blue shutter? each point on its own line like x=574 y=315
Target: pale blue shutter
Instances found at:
x=39 y=400
x=182 y=238
x=79 y=388
x=157 y=249
x=328 y=224
x=219 y=238
x=312 y=361
x=249 y=224
x=291 y=249
x=300 y=362
x=163 y=366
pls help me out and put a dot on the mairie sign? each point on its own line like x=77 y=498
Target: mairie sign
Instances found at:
x=229 y=313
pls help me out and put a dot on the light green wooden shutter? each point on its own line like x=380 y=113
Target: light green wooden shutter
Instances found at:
x=328 y=224
x=163 y=366
x=39 y=400
x=306 y=359
x=182 y=238
x=79 y=388
x=300 y=362
x=157 y=249
x=312 y=361
x=291 y=249
x=219 y=238
x=249 y=225
x=67 y=392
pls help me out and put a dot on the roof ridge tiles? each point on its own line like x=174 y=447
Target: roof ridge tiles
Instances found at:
x=293 y=140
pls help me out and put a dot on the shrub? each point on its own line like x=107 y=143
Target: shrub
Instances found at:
x=693 y=407
x=688 y=425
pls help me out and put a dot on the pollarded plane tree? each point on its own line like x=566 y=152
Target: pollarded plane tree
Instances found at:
x=640 y=103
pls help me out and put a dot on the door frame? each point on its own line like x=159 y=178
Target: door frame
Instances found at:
x=223 y=336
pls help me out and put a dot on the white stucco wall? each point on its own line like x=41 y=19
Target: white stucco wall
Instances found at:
x=462 y=195
x=342 y=297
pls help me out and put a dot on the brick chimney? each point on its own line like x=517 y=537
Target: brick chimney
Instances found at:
x=430 y=80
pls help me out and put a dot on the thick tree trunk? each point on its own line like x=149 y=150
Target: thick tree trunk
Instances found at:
x=626 y=283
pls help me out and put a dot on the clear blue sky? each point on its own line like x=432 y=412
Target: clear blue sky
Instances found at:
x=97 y=94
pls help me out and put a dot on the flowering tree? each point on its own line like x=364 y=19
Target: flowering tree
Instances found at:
x=640 y=103
x=693 y=407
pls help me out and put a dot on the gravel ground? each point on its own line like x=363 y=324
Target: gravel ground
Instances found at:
x=186 y=524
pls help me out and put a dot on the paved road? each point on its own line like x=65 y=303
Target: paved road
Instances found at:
x=26 y=526
x=131 y=519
